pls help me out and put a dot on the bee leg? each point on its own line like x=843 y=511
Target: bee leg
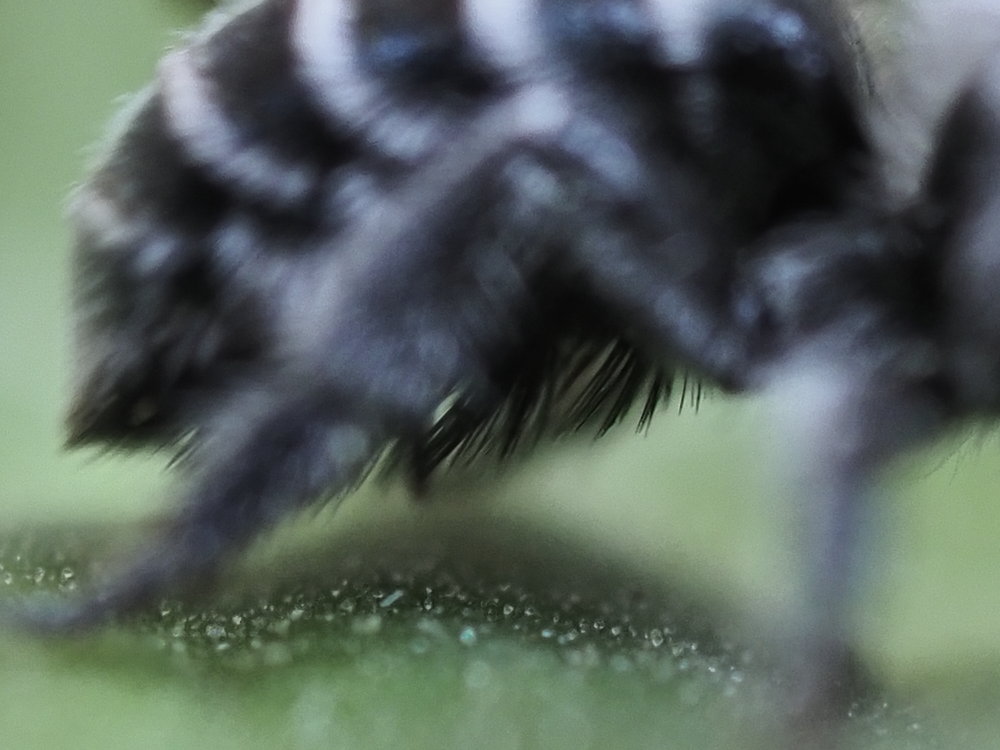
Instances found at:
x=843 y=424
x=262 y=462
x=669 y=287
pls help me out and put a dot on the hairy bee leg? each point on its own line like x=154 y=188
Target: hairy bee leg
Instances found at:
x=963 y=201
x=398 y=351
x=250 y=475
x=842 y=426
x=668 y=281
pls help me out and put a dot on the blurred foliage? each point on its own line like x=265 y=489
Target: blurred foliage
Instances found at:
x=690 y=508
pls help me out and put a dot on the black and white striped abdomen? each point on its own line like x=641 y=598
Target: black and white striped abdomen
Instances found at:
x=282 y=126
x=301 y=110
x=264 y=137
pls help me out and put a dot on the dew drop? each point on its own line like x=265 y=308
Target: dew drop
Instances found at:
x=468 y=636
x=568 y=637
x=391 y=599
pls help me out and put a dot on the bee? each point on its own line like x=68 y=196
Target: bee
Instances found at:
x=335 y=229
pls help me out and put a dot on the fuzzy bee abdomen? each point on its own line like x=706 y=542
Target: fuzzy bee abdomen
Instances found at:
x=263 y=139
x=287 y=134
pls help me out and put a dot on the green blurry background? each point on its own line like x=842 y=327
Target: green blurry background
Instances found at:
x=690 y=507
